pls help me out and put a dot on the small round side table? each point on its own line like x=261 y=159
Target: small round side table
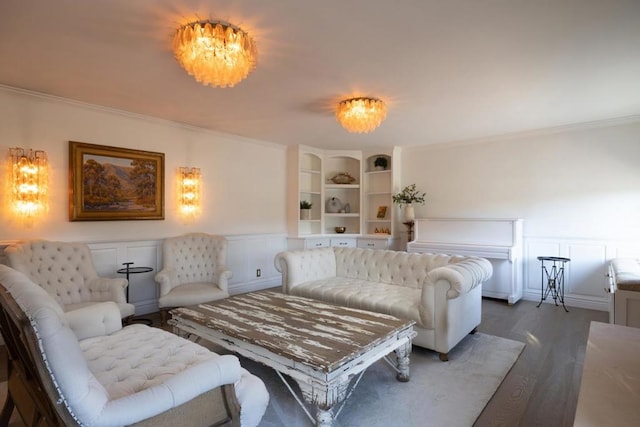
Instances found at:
x=134 y=270
x=553 y=278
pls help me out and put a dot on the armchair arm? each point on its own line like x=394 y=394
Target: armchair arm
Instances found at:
x=223 y=274
x=108 y=289
x=462 y=276
x=94 y=320
x=167 y=278
x=305 y=265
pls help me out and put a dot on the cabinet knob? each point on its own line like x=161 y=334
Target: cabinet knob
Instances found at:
x=318 y=244
x=370 y=244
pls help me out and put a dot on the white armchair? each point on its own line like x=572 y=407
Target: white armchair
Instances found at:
x=66 y=271
x=193 y=271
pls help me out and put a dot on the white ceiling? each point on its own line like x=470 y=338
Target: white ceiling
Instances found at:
x=449 y=70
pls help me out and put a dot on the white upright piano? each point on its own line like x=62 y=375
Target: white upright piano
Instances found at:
x=498 y=240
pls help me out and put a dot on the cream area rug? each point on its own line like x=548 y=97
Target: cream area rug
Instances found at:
x=451 y=394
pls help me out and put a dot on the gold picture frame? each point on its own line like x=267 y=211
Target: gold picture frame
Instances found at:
x=112 y=183
x=382 y=212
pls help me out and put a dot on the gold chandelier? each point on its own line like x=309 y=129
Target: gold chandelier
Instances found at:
x=361 y=115
x=215 y=53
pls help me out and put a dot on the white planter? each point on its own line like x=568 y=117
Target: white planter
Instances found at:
x=305 y=214
x=409 y=213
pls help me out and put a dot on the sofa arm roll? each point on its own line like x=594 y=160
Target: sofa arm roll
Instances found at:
x=304 y=266
x=166 y=278
x=108 y=289
x=462 y=276
x=94 y=320
x=223 y=274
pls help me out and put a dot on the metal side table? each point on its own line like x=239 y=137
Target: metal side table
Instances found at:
x=134 y=270
x=553 y=278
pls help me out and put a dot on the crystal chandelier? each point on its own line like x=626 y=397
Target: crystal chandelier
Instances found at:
x=361 y=115
x=29 y=182
x=215 y=53
x=190 y=184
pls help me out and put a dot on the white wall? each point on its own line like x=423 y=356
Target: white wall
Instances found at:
x=578 y=191
x=244 y=180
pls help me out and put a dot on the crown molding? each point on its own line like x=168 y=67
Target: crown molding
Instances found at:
x=128 y=114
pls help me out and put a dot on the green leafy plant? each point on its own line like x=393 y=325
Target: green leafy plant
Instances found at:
x=305 y=204
x=380 y=161
x=409 y=195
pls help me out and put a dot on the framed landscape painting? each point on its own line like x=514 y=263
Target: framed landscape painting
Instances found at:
x=112 y=183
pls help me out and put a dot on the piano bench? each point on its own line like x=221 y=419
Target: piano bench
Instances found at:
x=624 y=286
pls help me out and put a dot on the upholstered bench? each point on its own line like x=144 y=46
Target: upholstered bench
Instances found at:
x=83 y=368
x=624 y=276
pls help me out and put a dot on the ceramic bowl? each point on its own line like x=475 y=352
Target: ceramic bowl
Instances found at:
x=340 y=230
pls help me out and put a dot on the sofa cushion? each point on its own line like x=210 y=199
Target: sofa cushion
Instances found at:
x=627 y=273
x=398 y=301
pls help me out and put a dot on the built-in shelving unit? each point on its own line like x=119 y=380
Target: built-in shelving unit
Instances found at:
x=362 y=204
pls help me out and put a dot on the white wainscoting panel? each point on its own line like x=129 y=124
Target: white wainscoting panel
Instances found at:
x=109 y=257
x=246 y=254
x=585 y=275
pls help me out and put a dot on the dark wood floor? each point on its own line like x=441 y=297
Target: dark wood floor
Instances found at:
x=542 y=387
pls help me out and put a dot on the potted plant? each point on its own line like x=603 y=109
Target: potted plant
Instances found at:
x=305 y=209
x=408 y=196
x=380 y=163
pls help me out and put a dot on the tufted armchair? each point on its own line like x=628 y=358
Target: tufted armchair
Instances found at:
x=66 y=272
x=193 y=271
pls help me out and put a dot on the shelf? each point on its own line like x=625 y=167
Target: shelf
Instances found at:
x=309 y=192
x=376 y=172
x=309 y=171
x=378 y=220
x=341 y=215
x=340 y=186
x=386 y=193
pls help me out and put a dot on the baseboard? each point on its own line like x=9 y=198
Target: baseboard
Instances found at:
x=241 y=288
x=571 y=301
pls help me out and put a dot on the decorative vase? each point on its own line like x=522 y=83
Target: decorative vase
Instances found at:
x=305 y=214
x=409 y=213
x=333 y=205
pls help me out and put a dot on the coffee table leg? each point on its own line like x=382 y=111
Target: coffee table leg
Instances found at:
x=324 y=418
x=324 y=397
x=402 y=361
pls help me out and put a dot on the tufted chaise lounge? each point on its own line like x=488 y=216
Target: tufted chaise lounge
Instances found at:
x=84 y=368
x=193 y=271
x=443 y=294
x=66 y=271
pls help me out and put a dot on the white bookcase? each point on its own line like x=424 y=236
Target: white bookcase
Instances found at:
x=310 y=174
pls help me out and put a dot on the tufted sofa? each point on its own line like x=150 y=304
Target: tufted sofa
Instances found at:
x=83 y=368
x=441 y=293
x=193 y=271
x=66 y=271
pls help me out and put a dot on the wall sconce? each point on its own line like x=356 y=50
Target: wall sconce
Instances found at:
x=28 y=183
x=190 y=184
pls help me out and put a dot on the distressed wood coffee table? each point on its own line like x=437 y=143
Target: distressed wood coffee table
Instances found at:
x=321 y=346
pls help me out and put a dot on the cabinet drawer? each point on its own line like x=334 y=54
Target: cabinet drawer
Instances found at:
x=373 y=243
x=316 y=243
x=344 y=243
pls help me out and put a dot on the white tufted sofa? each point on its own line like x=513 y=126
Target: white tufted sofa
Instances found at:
x=193 y=271
x=66 y=271
x=107 y=375
x=441 y=293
